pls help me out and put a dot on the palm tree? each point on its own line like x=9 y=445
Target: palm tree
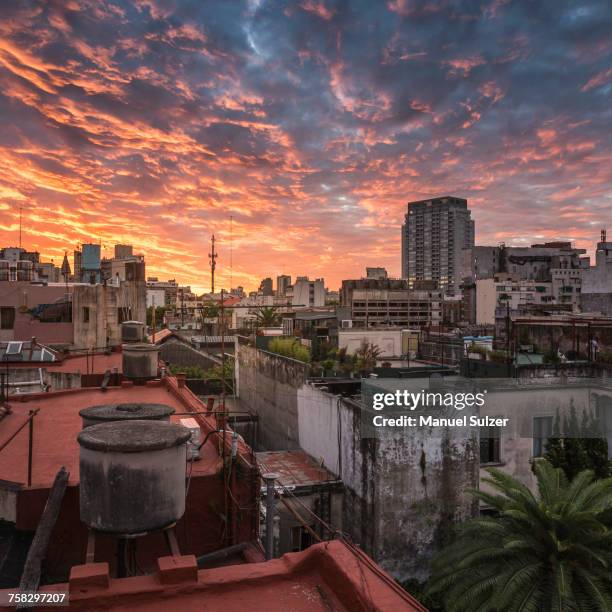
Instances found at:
x=547 y=552
x=267 y=316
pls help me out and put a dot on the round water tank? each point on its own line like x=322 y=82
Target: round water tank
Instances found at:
x=132 y=331
x=132 y=475
x=94 y=415
x=140 y=361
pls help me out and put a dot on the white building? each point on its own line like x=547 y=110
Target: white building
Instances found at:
x=156 y=297
x=393 y=342
x=308 y=293
x=507 y=291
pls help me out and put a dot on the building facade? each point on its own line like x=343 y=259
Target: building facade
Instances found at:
x=434 y=236
x=308 y=293
x=409 y=308
x=283 y=282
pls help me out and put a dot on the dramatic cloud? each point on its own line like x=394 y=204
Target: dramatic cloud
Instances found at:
x=297 y=131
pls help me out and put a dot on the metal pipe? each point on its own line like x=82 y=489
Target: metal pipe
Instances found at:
x=269 y=480
x=224 y=553
x=30 y=447
x=6 y=442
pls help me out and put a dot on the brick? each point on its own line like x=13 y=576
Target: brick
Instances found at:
x=177 y=569
x=89 y=575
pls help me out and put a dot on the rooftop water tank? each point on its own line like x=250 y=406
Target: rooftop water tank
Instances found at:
x=132 y=331
x=94 y=415
x=132 y=475
x=140 y=361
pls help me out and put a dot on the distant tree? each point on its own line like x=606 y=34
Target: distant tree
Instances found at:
x=548 y=552
x=209 y=310
x=267 y=316
x=579 y=446
x=367 y=355
x=160 y=311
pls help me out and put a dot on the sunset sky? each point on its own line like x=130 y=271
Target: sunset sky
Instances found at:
x=310 y=123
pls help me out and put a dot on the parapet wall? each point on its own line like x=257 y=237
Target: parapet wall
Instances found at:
x=268 y=384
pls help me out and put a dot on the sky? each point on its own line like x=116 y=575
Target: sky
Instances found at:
x=296 y=132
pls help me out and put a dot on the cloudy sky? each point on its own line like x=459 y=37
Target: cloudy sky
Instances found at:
x=297 y=131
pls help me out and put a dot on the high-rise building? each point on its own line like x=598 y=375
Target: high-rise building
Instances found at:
x=282 y=282
x=90 y=263
x=78 y=263
x=266 y=287
x=434 y=234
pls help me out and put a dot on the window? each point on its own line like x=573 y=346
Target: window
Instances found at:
x=7 y=317
x=490 y=445
x=85 y=314
x=300 y=539
x=542 y=431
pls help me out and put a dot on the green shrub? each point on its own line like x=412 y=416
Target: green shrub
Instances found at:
x=498 y=356
x=289 y=347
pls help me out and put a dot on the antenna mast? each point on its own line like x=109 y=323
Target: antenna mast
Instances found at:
x=231 y=251
x=213 y=263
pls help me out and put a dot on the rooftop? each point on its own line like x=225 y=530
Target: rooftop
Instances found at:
x=161 y=335
x=57 y=424
x=26 y=351
x=328 y=576
x=85 y=363
x=294 y=467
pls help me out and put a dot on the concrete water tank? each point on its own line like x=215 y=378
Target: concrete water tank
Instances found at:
x=132 y=331
x=94 y=415
x=132 y=475
x=140 y=361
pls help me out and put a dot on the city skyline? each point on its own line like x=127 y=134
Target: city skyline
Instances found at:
x=310 y=124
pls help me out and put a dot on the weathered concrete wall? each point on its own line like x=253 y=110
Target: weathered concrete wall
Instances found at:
x=522 y=406
x=403 y=492
x=268 y=384
x=101 y=326
x=33 y=380
x=318 y=424
x=423 y=481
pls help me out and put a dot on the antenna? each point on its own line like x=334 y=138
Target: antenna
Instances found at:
x=231 y=251
x=603 y=235
x=20 y=209
x=213 y=263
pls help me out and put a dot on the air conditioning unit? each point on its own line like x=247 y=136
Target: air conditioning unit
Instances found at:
x=347 y=324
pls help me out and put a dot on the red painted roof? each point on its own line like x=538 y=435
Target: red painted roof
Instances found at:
x=328 y=576
x=85 y=364
x=58 y=422
x=161 y=335
x=92 y=364
x=294 y=467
